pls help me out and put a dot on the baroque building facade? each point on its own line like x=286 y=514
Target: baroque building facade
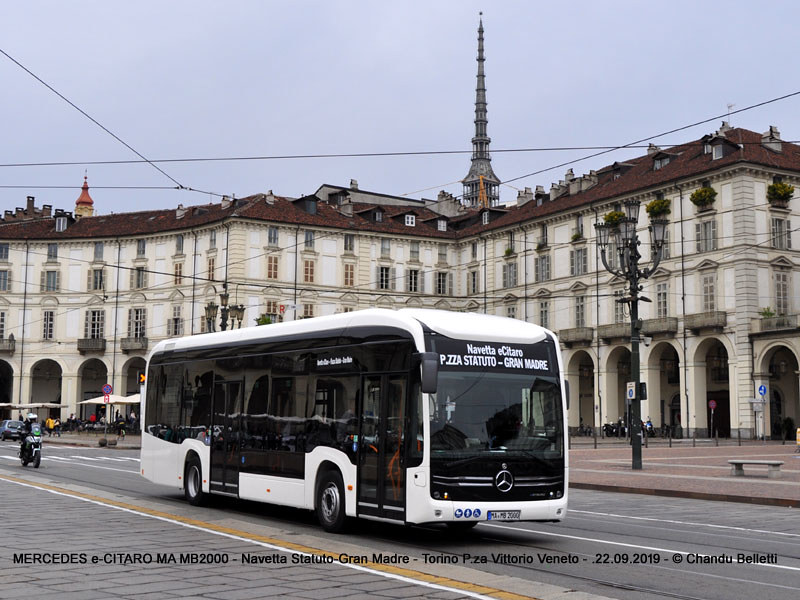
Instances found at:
x=83 y=298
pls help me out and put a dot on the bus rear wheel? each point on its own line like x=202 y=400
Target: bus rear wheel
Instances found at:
x=193 y=482
x=330 y=502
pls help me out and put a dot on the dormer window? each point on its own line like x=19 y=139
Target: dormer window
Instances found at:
x=441 y=225
x=411 y=220
x=706 y=148
x=717 y=152
x=61 y=224
x=379 y=216
x=485 y=218
x=616 y=175
x=660 y=163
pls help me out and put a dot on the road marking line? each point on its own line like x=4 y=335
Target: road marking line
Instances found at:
x=391 y=572
x=637 y=546
x=673 y=522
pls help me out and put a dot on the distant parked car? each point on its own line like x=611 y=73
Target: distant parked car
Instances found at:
x=10 y=430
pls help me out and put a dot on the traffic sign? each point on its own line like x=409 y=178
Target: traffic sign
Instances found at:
x=107 y=389
x=762 y=390
x=106 y=399
x=712 y=404
x=631 y=390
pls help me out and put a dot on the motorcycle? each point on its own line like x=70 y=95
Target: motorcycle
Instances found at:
x=31 y=449
x=649 y=429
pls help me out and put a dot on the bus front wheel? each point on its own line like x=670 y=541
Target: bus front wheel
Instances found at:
x=330 y=502
x=193 y=482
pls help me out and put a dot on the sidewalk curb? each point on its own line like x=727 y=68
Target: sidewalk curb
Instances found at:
x=785 y=502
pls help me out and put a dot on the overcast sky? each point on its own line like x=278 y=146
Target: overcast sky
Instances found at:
x=199 y=79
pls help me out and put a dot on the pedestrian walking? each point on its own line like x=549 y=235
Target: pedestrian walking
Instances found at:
x=57 y=426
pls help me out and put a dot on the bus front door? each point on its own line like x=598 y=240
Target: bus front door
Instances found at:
x=225 y=437
x=381 y=448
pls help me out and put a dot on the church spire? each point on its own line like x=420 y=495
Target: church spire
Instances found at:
x=481 y=181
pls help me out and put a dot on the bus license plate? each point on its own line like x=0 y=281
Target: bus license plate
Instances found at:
x=503 y=515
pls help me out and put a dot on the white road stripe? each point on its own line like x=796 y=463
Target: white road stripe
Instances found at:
x=637 y=546
x=688 y=523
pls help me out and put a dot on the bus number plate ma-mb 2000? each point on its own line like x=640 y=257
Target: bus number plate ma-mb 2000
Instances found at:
x=503 y=515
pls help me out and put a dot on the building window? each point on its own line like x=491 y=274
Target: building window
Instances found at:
x=385 y=279
x=175 y=324
x=141 y=247
x=485 y=217
x=178 y=273
x=271 y=310
x=179 y=244
x=4 y=287
x=272 y=267
x=309 y=240
x=510 y=241
x=52 y=252
x=544 y=313
x=660 y=163
x=579 y=226
x=443 y=253
x=662 y=300
x=542 y=243
x=781 y=235
x=95 y=324
x=441 y=225
x=137 y=321
x=386 y=248
x=4 y=251
x=619 y=307
x=474 y=250
x=2 y=325
x=50 y=281
x=48 y=324
x=474 y=282
x=578 y=261
x=349 y=242
x=580 y=311
x=718 y=152
x=308 y=271
x=708 y=284
x=349 y=275
x=212 y=239
x=272 y=236
x=511 y=311
x=442 y=286
x=61 y=224
x=706 y=235
x=211 y=267
x=413 y=280
x=510 y=275
x=98 y=280
x=98 y=251
x=782 y=292
x=411 y=220
x=138 y=278
x=414 y=251
x=308 y=311
x=347 y=309
x=541 y=268
x=665 y=250
x=378 y=216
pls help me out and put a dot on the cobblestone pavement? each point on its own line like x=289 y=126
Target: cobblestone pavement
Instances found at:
x=699 y=472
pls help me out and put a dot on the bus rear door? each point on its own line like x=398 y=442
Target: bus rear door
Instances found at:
x=225 y=437
x=381 y=459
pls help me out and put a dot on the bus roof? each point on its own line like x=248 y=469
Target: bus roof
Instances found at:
x=471 y=326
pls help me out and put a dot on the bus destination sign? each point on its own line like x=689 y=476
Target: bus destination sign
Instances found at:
x=482 y=356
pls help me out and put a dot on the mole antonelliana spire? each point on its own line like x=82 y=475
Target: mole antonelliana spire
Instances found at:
x=481 y=185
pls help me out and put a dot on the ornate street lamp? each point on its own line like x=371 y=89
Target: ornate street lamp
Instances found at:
x=237 y=314
x=223 y=311
x=211 y=315
x=626 y=242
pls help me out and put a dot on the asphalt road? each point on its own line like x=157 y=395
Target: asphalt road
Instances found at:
x=614 y=545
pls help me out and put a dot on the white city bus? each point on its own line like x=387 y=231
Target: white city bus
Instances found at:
x=409 y=416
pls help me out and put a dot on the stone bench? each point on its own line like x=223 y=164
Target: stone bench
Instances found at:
x=737 y=467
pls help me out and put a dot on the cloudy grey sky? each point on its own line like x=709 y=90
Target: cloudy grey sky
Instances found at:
x=201 y=79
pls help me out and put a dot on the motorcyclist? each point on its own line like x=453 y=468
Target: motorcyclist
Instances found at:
x=27 y=427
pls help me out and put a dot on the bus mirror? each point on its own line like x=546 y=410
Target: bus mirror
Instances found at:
x=429 y=361
x=566 y=392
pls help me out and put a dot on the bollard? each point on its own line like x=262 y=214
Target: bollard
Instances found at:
x=694 y=439
x=739 y=434
x=670 y=437
x=594 y=435
x=716 y=438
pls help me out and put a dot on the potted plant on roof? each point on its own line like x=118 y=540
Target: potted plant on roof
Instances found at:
x=658 y=208
x=703 y=197
x=779 y=194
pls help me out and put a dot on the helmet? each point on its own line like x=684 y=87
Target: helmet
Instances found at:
x=32 y=416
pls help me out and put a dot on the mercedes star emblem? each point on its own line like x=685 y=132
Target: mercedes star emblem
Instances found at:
x=504 y=481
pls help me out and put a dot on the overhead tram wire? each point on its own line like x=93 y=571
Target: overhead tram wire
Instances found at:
x=178 y=184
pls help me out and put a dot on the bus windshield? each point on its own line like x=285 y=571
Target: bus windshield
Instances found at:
x=499 y=413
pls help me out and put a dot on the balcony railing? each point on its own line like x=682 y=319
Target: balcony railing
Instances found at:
x=576 y=335
x=614 y=331
x=707 y=320
x=134 y=344
x=668 y=325
x=7 y=346
x=778 y=323
x=91 y=345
